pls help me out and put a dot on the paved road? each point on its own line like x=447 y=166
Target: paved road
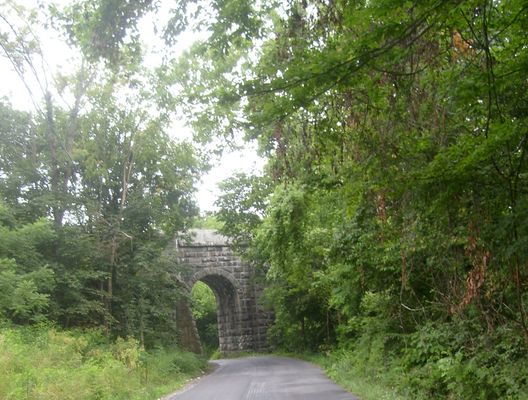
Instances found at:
x=264 y=378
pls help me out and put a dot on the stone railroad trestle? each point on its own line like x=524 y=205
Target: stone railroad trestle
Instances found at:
x=242 y=321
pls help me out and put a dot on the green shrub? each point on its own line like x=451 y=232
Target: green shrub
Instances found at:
x=454 y=360
x=461 y=360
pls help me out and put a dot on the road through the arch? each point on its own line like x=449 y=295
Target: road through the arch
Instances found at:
x=264 y=378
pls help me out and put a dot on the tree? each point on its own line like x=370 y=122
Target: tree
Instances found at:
x=116 y=185
x=390 y=128
x=241 y=206
x=26 y=279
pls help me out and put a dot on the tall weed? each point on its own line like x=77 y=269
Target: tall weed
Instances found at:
x=45 y=363
x=455 y=360
x=461 y=360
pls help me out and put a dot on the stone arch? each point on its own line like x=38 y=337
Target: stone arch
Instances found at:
x=216 y=275
x=227 y=294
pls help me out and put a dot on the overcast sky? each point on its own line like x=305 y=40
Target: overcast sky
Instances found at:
x=54 y=50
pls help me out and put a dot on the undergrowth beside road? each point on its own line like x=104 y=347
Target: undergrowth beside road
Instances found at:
x=457 y=360
x=45 y=363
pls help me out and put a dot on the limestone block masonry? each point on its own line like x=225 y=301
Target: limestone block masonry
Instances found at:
x=242 y=321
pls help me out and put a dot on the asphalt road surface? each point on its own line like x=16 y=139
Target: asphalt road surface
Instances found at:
x=264 y=378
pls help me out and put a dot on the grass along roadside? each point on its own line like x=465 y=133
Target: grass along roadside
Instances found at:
x=45 y=363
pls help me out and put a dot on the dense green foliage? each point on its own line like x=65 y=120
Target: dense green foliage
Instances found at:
x=92 y=188
x=396 y=133
x=203 y=306
x=392 y=216
x=41 y=362
x=123 y=200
